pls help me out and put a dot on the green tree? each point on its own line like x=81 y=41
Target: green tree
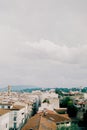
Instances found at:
x=65 y=101
x=68 y=103
x=85 y=118
x=46 y=101
x=58 y=91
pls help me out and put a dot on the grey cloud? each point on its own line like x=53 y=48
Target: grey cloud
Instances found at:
x=43 y=43
x=45 y=49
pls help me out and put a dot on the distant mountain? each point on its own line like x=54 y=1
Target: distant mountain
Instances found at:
x=3 y=89
x=19 y=87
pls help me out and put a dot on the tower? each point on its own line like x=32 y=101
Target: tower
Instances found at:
x=80 y=88
x=9 y=90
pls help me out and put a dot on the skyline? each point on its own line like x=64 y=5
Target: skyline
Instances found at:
x=43 y=43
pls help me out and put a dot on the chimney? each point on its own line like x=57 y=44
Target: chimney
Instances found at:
x=44 y=112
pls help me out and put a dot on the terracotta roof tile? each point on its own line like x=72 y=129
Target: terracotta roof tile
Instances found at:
x=33 y=123
x=17 y=107
x=39 y=123
x=45 y=121
x=57 y=117
x=3 y=111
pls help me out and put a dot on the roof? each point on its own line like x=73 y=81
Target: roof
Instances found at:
x=3 y=111
x=46 y=124
x=81 y=103
x=56 y=117
x=8 y=104
x=33 y=123
x=17 y=107
x=39 y=123
x=61 y=109
x=45 y=121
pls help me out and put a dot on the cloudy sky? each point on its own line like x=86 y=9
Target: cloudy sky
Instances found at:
x=43 y=43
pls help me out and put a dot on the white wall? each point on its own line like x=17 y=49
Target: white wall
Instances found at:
x=4 y=122
x=20 y=117
x=85 y=95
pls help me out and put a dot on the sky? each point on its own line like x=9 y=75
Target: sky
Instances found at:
x=43 y=43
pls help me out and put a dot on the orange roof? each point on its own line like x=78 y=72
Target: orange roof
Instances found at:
x=47 y=120
x=39 y=123
x=56 y=117
x=3 y=111
x=46 y=124
x=33 y=123
x=17 y=107
x=5 y=103
x=60 y=109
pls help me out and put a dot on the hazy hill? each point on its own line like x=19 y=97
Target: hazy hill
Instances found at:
x=19 y=87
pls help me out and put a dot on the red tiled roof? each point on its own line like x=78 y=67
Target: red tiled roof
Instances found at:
x=3 y=111
x=45 y=121
x=17 y=107
x=56 y=117
x=39 y=123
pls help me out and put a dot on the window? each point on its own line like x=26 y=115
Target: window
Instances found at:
x=62 y=122
x=2 y=106
x=6 y=125
x=22 y=113
x=83 y=105
x=57 y=123
x=9 y=107
x=15 y=125
x=15 y=118
x=15 y=113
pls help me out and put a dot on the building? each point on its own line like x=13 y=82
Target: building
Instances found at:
x=49 y=100
x=4 y=119
x=17 y=117
x=47 y=120
x=14 y=116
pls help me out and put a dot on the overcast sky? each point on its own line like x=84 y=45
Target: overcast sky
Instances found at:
x=43 y=43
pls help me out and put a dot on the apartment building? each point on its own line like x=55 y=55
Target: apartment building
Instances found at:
x=4 y=119
x=21 y=107
x=12 y=116
x=17 y=117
